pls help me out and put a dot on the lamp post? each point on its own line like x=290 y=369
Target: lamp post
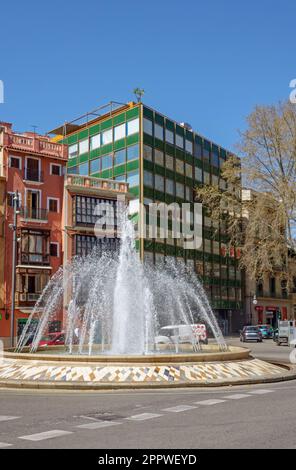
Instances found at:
x=13 y=276
x=254 y=303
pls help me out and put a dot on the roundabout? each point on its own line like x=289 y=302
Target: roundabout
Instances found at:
x=208 y=368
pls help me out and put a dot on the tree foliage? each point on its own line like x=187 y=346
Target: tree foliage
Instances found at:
x=261 y=221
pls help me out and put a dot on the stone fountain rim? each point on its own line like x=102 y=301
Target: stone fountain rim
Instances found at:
x=234 y=353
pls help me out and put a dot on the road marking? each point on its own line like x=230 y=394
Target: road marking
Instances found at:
x=45 y=435
x=179 y=408
x=261 y=392
x=143 y=416
x=4 y=444
x=8 y=418
x=209 y=402
x=98 y=425
x=237 y=396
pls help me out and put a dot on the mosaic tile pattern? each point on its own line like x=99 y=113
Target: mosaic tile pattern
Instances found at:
x=38 y=371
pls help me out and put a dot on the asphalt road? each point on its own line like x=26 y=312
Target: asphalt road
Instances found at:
x=257 y=416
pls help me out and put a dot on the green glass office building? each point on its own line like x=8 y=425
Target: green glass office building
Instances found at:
x=163 y=161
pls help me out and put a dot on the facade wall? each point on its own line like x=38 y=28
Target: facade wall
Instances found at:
x=163 y=161
x=269 y=304
x=27 y=161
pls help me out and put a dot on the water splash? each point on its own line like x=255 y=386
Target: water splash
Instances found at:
x=113 y=303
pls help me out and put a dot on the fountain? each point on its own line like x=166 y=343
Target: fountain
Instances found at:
x=113 y=307
x=117 y=304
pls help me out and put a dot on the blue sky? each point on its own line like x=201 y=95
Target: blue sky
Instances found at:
x=206 y=63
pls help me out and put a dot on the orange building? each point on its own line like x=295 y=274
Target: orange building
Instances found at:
x=34 y=166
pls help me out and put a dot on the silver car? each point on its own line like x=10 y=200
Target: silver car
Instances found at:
x=250 y=333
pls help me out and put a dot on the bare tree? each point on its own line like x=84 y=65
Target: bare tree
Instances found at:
x=263 y=224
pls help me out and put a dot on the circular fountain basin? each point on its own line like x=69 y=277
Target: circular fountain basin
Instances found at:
x=210 y=367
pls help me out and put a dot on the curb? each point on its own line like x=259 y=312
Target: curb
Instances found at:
x=76 y=386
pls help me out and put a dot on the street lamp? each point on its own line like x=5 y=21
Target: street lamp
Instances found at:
x=254 y=302
x=13 y=227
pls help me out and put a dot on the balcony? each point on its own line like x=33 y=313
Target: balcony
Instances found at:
x=90 y=184
x=34 y=175
x=37 y=145
x=28 y=213
x=22 y=298
x=38 y=259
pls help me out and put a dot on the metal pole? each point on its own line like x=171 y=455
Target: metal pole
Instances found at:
x=14 y=248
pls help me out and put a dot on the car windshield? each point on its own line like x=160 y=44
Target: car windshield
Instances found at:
x=251 y=328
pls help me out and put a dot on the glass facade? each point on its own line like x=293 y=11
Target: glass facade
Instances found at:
x=174 y=160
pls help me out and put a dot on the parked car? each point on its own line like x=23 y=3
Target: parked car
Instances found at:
x=266 y=330
x=250 y=333
x=53 y=339
x=177 y=334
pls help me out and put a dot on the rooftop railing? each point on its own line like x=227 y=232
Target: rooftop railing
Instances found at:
x=96 y=183
x=37 y=145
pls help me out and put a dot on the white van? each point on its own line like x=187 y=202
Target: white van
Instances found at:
x=178 y=334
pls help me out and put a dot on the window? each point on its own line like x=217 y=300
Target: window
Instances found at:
x=198 y=174
x=158 y=131
x=53 y=204
x=132 y=126
x=169 y=162
x=132 y=152
x=86 y=212
x=55 y=169
x=147 y=152
x=34 y=247
x=106 y=162
x=10 y=196
x=84 y=244
x=107 y=137
x=95 y=141
x=206 y=177
x=189 y=194
x=119 y=157
x=188 y=146
x=83 y=169
x=169 y=184
x=119 y=132
x=259 y=289
x=120 y=178
x=180 y=141
x=95 y=165
x=83 y=146
x=54 y=249
x=159 y=183
x=197 y=150
x=180 y=190
x=148 y=126
x=180 y=166
x=215 y=159
x=73 y=170
x=272 y=285
x=15 y=162
x=188 y=170
x=169 y=136
x=148 y=178
x=133 y=178
x=158 y=157
x=10 y=199
x=206 y=154
x=73 y=150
